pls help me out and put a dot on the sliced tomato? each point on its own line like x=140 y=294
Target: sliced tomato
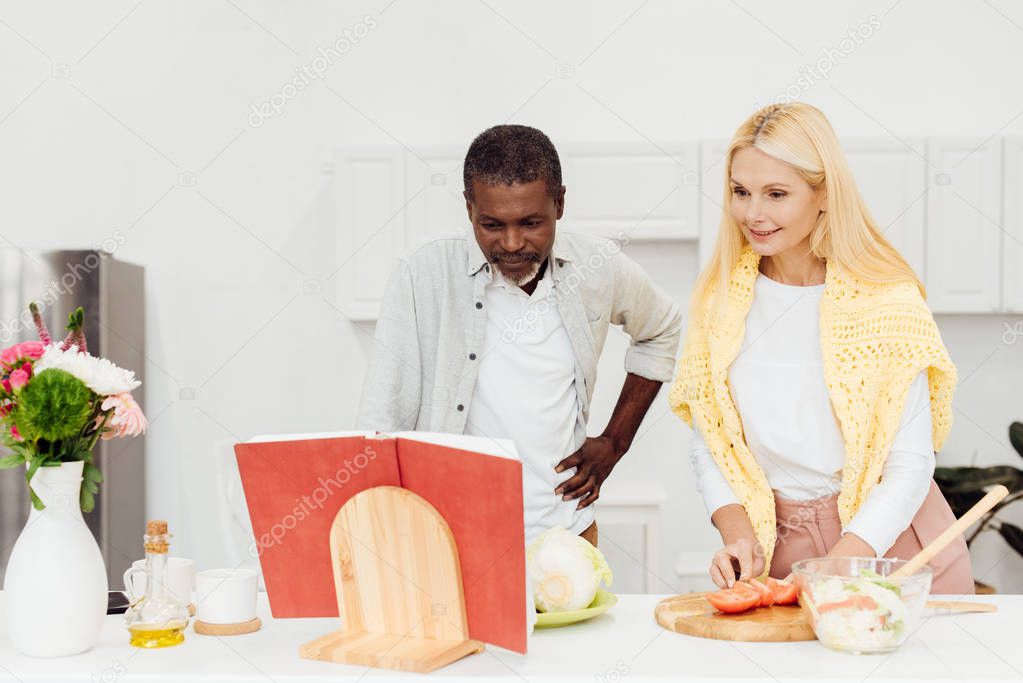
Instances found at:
x=766 y=594
x=732 y=601
x=784 y=592
x=857 y=602
x=745 y=588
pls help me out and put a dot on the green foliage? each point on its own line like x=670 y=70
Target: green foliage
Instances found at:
x=1013 y=535
x=54 y=405
x=960 y=480
x=91 y=478
x=76 y=319
x=1016 y=436
x=58 y=418
x=963 y=487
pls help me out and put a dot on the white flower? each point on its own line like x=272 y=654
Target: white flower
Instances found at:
x=98 y=374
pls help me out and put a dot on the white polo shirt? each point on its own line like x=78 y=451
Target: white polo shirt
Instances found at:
x=525 y=391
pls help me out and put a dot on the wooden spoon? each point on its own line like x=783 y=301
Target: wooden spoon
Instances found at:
x=948 y=535
x=960 y=607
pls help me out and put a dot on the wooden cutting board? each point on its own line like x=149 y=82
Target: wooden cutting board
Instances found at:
x=692 y=615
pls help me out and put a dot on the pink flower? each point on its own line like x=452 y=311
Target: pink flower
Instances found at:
x=19 y=378
x=32 y=350
x=127 y=419
x=6 y=383
x=5 y=408
x=15 y=434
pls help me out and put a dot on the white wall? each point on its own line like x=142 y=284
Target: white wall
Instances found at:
x=111 y=110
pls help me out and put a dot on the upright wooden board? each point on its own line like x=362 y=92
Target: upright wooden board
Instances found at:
x=692 y=615
x=399 y=586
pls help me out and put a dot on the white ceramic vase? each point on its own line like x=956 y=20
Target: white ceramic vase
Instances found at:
x=55 y=588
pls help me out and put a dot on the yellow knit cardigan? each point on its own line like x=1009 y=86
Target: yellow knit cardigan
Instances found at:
x=875 y=338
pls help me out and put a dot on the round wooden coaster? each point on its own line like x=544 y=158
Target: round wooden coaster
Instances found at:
x=202 y=628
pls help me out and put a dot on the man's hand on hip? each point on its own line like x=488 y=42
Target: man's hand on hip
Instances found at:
x=593 y=462
x=599 y=454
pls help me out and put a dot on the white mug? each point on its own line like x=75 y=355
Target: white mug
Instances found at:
x=179 y=578
x=225 y=596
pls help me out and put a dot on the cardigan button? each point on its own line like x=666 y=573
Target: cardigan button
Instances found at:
x=472 y=356
x=479 y=304
x=460 y=407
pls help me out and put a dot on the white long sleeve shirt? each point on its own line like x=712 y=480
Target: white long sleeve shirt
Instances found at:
x=777 y=384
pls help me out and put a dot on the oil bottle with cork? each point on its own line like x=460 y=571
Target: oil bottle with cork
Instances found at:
x=157 y=619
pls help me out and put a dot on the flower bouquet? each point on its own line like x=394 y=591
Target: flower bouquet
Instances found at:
x=57 y=401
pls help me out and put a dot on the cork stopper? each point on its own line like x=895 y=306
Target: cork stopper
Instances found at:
x=156 y=536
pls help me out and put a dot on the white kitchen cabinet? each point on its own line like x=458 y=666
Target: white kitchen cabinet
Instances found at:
x=1012 y=263
x=370 y=193
x=956 y=215
x=439 y=207
x=390 y=199
x=619 y=191
x=892 y=179
x=629 y=532
x=632 y=192
x=964 y=225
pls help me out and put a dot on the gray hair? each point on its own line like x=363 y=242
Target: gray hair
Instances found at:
x=510 y=154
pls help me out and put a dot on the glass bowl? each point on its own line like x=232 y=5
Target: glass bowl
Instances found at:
x=853 y=607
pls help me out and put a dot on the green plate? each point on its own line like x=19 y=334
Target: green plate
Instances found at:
x=600 y=604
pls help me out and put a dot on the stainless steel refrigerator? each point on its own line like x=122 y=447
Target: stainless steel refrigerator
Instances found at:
x=112 y=293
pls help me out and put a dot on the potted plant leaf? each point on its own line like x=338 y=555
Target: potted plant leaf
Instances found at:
x=964 y=486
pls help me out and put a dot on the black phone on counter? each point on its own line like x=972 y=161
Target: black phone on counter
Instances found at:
x=117 y=602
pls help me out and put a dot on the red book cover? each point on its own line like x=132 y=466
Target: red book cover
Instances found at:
x=294 y=489
x=480 y=497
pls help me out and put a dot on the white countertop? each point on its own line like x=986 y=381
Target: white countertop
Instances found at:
x=623 y=645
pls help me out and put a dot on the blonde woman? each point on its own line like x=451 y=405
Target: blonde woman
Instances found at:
x=813 y=373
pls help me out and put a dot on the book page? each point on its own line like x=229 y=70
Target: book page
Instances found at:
x=265 y=438
x=502 y=448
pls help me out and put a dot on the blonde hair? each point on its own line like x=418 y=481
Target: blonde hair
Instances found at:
x=798 y=134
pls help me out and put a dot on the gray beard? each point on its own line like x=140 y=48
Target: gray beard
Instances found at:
x=519 y=280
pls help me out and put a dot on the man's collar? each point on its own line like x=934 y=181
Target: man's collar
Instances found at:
x=476 y=259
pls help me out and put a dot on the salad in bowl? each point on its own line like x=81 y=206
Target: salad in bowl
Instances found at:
x=854 y=606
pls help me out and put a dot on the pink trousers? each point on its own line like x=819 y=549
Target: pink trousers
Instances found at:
x=811 y=528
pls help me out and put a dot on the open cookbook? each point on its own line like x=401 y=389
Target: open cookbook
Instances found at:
x=295 y=484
